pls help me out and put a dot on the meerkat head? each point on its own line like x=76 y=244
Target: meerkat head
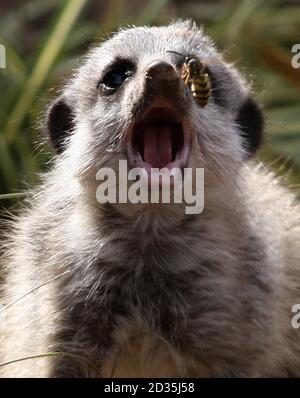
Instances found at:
x=129 y=102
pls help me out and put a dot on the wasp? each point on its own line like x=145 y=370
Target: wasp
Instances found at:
x=195 y=76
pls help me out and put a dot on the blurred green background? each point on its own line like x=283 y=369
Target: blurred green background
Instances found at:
x=44 y=40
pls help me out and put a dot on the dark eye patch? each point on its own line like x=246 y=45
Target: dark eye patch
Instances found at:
x=115 y=75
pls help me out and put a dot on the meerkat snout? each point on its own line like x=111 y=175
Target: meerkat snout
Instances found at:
x=161 y=70
x=161 y=86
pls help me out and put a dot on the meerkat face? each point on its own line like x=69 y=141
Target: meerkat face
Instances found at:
x=129 y=102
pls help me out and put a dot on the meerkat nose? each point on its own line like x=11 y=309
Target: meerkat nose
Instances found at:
x=161 y=70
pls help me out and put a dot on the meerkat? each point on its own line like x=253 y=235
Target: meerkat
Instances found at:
x=145 y=290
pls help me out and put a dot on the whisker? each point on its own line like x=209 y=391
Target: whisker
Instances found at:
x=33 y=290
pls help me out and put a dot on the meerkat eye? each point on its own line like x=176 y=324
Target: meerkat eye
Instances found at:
x=115 y=76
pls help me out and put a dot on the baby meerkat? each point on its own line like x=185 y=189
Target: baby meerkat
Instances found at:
x=122 y=289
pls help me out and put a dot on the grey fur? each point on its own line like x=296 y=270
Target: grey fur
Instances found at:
x=208 y=295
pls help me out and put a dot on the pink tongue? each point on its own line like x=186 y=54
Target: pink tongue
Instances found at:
x=157 y=145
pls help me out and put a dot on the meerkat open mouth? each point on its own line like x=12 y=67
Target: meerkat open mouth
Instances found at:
x=159 y=140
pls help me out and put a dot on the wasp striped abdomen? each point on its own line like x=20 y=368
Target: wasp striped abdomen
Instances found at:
x=201 y=89
x=198 y=80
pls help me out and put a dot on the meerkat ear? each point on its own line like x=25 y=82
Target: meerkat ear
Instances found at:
x=59 y=122
x=251 y=122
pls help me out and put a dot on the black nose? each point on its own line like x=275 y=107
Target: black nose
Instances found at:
x=161 y=70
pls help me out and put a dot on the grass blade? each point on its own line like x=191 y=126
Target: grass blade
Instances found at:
x=12 y=195
x=43 y=66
